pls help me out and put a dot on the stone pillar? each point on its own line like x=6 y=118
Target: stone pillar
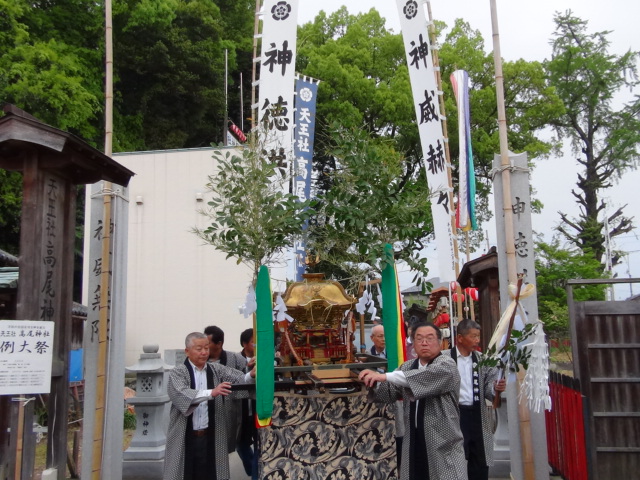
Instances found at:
x=524 y=245
x=145 y=456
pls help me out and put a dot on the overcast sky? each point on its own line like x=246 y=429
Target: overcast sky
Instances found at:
x=525 y=29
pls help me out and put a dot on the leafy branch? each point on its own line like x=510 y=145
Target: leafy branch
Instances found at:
x=253 y=217
x=512 y=353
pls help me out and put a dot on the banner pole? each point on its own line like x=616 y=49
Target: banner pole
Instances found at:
x=443 y=119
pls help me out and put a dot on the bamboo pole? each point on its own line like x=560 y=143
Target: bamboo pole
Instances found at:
x=254 y=73
x=20 y=439
x=523 y=412
x=101 y=372
x=504 y=150
x=445 y=135
x=225 y=120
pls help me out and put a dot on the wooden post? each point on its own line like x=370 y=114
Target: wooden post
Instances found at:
x=52 y=162
x=23 y=442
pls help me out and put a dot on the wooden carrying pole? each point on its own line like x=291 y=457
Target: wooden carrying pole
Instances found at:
x=101 y=372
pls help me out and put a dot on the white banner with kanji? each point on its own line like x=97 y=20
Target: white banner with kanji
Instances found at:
x=277 y=79
x=413 y=23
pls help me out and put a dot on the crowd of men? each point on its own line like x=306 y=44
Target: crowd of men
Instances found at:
x=443 y=428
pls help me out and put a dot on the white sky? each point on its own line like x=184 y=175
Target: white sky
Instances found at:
x=525 y=29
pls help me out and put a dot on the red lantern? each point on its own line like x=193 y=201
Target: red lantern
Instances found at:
x=457 y=297
x=453 y=286
x=236 y=132
x=472 y=292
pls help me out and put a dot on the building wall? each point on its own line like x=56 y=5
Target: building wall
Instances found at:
x=175 y=283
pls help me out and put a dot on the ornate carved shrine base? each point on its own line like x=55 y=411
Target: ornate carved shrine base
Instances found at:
x=328 y=437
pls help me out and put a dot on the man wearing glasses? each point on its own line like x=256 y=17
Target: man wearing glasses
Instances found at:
x=430 y=384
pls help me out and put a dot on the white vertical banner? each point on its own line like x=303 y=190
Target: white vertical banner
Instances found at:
x=277 y=79
x=275 y=109
x=413 y=23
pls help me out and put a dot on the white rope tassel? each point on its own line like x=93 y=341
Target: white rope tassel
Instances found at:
x=535 y=387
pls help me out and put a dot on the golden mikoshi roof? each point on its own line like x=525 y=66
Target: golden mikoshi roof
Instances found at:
x=316 y=303
x=315 y=288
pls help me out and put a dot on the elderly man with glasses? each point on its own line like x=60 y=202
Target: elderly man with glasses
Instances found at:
x=430 y=384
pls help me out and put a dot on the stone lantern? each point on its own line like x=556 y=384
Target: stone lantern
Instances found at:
x=145 y=456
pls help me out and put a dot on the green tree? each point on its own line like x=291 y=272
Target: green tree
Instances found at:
x=169 y=72
x=171 y=67
x=554 y=266
x=587 y=76
x=365 y=86
x=10 y=205
x=368 y=206
x=46 y=70
x=529 y=102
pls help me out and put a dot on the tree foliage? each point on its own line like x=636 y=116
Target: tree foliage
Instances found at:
x=168 y=74
x=369 y=205
x=168 y=67
x=253 y=217
x=587 y=76
x=529 y=102
x=171 y=70
x=365 y=86
x=11 y=195
x=554 y=266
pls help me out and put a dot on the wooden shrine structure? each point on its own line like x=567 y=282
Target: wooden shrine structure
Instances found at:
x=52 y=163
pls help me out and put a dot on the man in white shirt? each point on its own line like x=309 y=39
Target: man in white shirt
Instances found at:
x=477 y=384
x=197 y=434
x=432 y=446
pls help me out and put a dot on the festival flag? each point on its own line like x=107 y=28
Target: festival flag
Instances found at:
x=413 y=23
x=392 y=318
x=265 y=349
x=275 y=108
x=305 y=115
x=277 y=77
x=465 y=211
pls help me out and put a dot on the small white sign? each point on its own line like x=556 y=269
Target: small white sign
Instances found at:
x=26 y=354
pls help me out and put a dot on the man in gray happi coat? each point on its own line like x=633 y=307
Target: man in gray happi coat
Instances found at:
x=232 y=408
x=432 y=448
x=197 y=435
x=477 y=384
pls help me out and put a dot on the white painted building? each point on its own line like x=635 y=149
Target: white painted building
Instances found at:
x=175 y=283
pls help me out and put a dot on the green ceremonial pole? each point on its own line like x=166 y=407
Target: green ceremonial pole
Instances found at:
x=391 y=312
x=265 y=349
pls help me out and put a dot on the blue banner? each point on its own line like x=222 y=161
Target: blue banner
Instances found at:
x=305 y=121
